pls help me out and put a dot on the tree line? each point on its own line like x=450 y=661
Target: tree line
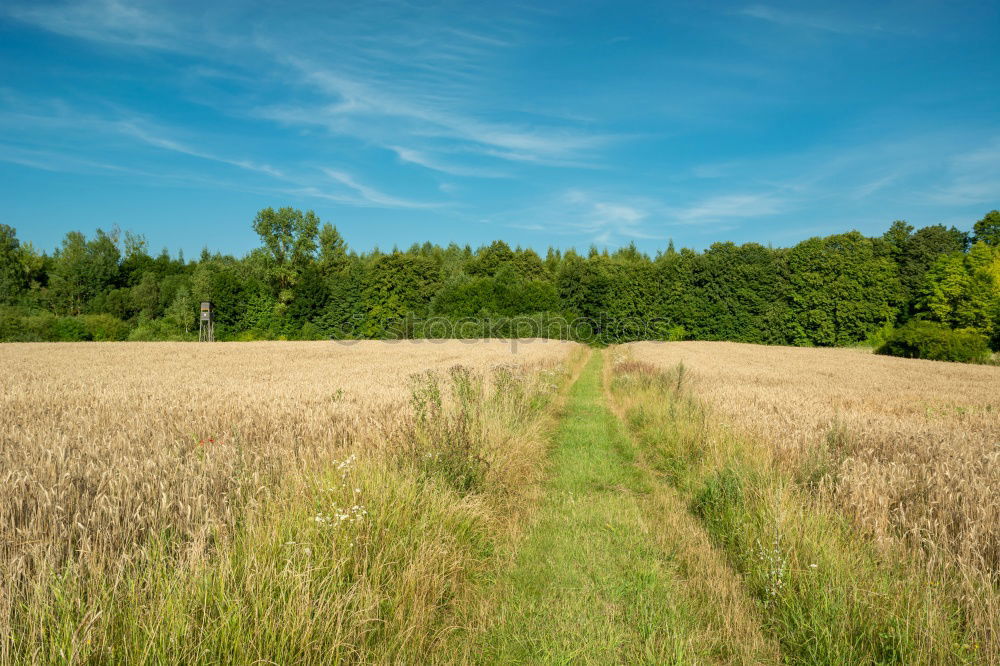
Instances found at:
x=304 y=282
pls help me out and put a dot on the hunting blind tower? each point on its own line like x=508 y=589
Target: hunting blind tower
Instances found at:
x=206 y=323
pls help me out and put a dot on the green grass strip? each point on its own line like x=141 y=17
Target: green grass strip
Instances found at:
x=590 y=583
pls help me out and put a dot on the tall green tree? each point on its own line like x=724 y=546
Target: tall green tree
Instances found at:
x=82 y=270
x=738 y=290
x=136 y=260
x=841 y=289
x=677 y=304
x=613 y=297
x=332 y=251
x=915 y=252
x=963 y=289
x=144 y=297
x=987 y=230
x=231 y=295
x=898 y=236
x=182 y=310
x=13 y=277
x=490 y=258
x=462 y=295
x=399 y=287
x=36 y=267
x=310 y=297
x=290 y=243
x=345 y=310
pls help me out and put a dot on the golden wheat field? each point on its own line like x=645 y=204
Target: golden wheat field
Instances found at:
x=99 y=438
x=910 y=449
x=106 y=448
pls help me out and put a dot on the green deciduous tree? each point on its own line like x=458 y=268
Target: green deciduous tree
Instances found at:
x=182 y=310
x=841 y=290
x=310 y=297
x=290 y=243
x=332 y=251
x=13 y=277
x=489 y=259
x=737 y=291
x=82 y=270
x=915 y=252
x=346 y=307
x=144 y=297
x=987 y=230
x=963 y=289
x=399 y=286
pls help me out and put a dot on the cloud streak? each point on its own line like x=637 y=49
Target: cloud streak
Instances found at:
x=615 y=219
x=104 y=21
x=362 y=109
x=819 y=22
x=730 y=206
x=58 y=115
x=428 y=97
x=372 y=196
x=419 y=158
x=130 y=128
x=973 y=178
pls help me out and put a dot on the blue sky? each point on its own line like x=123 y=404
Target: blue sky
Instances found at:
x=562 y=124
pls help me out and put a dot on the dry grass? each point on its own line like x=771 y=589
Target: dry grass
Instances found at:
x=118 y=455
x=909 y=449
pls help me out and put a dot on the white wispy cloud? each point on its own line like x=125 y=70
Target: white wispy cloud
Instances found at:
x=607 y=217
x=541 y=160
x=876 y=185
x=363 y=109
x=593 y=216
x=373 y=196
x=613 y=219
x=66 y=162
x=730 y=206
x=814 y=21
x=105 y=21
x=50 y=160
x=57 y=116
x=130 y=128
x=421 y=158
x=473 y=36
x=422 y=84
x=972 y=177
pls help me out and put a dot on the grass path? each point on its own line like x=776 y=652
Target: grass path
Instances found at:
x=591 y=581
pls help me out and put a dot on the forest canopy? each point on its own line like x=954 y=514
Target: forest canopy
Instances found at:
x=305 y=282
